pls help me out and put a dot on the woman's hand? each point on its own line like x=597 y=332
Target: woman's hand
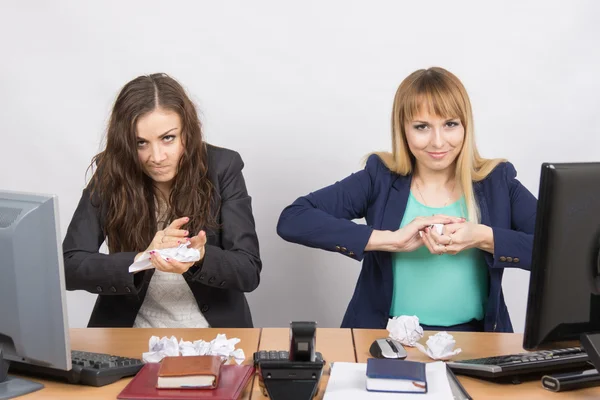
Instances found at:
x=170 y=237
x=458 y=237
x=170 y=265
x=407 y=238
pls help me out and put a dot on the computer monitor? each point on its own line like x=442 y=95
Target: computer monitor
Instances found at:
x=564 y=287
x=33 y=313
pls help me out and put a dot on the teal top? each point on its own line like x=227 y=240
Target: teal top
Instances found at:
x=441 y=290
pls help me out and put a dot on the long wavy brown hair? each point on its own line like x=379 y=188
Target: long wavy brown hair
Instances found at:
x=126 y=194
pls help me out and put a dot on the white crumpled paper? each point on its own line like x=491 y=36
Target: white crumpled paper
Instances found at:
x=440 y=346
x=438 y=227
x=405 y=329
x=219 y=346
x=183 y=253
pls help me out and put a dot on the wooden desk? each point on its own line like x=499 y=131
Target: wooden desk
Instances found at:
x=476 y=345
x=130 y=342
x=334 y=344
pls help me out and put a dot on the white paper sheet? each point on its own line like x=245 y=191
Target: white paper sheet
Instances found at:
x=183 y=253
x=348 y=382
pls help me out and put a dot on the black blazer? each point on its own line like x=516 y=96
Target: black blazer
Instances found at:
x=231 y=265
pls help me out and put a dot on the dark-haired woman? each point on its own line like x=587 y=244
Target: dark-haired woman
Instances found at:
x=156 y=185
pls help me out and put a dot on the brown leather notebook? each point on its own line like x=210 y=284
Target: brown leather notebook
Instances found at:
x=189 y=372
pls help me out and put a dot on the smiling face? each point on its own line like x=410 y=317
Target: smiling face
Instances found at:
x=435 y=142
x=160 y=146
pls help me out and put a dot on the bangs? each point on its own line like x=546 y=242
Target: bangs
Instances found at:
x=436 y=96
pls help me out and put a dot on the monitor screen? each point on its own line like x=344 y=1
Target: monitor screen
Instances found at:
x=564 y=287
x=33 y=315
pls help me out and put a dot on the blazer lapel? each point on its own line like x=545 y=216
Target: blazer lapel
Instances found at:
x=396 y=203
x=482 y=202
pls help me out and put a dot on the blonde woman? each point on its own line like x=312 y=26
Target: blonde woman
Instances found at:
x=451 y=280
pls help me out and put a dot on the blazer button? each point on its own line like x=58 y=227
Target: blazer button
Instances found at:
x=344 y=249
x=99 y=289
x=502 y=258
x=204 y=308
x=202 y=276
x=113 y=289
x=222 y=284
x=351 y=254
x=127 y=289
x=516 y=259
x=211 y=280
x=509 y=259
x=338 y=248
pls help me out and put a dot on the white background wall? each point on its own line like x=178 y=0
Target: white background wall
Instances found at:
x=303 y=90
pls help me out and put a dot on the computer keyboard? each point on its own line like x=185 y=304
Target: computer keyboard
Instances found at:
x=92 y=369
x=514 y=365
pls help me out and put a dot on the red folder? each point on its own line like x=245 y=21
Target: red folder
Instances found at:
x=232 y=381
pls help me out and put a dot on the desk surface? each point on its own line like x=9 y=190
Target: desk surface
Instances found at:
x=477 y=345
x=129 y=342
x=335 y=344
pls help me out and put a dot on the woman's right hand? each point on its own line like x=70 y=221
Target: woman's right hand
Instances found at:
x=407 y=238
x=171 y=236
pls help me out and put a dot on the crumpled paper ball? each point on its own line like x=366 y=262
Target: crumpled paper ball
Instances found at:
x=219 y=346
x=439 y=228
x=405 y=329
x=440 y=346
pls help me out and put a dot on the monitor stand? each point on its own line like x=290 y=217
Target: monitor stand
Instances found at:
x=591 y=344
x=11 y=386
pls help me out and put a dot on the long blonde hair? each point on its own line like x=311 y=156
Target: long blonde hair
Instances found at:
x=442 y=94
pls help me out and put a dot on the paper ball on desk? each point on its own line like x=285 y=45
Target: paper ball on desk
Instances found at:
x=219 y=346
x=440 y=346
x=405 y=329
x=160 y=348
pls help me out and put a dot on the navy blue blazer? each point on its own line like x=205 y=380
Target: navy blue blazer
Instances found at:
x=323 y=219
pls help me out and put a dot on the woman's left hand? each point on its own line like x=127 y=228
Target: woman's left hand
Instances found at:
x=458 y=237
x=177 y=267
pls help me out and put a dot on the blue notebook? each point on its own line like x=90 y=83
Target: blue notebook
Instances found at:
x=388 y=375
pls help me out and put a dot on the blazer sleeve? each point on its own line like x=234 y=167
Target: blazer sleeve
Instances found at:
x=323 y=219
x=88 y=269
x=513 y=247
x=236 y=263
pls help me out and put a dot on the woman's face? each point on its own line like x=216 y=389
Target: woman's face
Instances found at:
x=160 y=145
x=435 y=142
